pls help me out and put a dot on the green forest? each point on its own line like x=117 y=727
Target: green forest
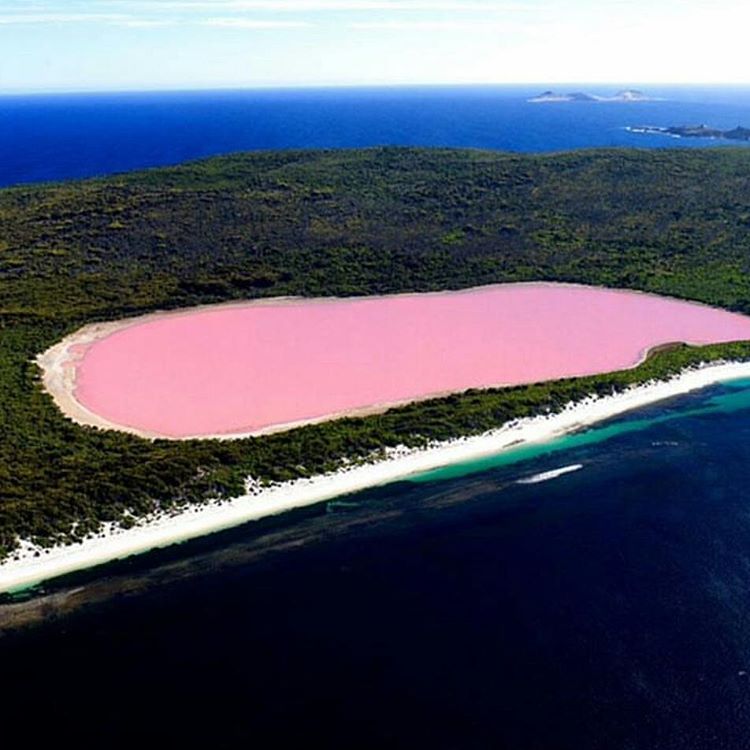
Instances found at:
x=331 y=223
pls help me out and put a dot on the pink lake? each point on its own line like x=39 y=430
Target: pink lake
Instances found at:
x=251 y=367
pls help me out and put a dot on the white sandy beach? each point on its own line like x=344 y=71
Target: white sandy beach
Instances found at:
x=34 y=566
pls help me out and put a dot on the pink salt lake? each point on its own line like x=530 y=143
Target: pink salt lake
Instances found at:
x=251 y=367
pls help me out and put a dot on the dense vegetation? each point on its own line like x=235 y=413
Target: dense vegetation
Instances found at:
x=349 y=222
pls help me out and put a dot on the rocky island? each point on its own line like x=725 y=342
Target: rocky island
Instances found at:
x=693 y=131
x=628 y=95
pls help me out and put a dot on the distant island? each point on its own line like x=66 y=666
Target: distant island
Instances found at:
x=628 y=95
x=693 y=131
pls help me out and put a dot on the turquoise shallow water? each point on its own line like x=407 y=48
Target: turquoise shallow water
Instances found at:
x=736 y=397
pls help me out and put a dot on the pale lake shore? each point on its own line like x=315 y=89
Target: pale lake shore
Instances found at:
x=31 y=565
x=61 y=363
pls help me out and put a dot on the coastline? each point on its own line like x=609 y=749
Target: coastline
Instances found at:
x=34 y=565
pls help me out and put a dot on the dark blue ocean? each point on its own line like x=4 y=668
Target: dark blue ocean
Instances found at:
x=606 y=608
x=58 y=137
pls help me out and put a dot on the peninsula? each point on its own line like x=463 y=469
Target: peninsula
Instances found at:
x=590 y=403
x=693 y=131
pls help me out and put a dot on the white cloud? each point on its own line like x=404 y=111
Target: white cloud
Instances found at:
x=455 y=25
x=107 y=19
x=154 y=13
x=124 y=20
x=312 y=6
x=143 y=23
x=252 y=23
x=53 y=18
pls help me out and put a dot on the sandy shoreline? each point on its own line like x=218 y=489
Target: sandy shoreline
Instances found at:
x=59 y=364
x=399 y=463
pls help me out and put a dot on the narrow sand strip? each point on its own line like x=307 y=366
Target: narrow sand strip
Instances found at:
x=398 y=464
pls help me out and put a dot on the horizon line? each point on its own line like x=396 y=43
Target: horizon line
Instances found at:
x=369 y=85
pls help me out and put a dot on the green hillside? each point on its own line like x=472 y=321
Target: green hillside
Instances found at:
x=323 y=223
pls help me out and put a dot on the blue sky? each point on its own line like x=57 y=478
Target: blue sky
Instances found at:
x=50 y=45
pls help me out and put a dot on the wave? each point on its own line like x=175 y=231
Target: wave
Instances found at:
x=545 y=476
